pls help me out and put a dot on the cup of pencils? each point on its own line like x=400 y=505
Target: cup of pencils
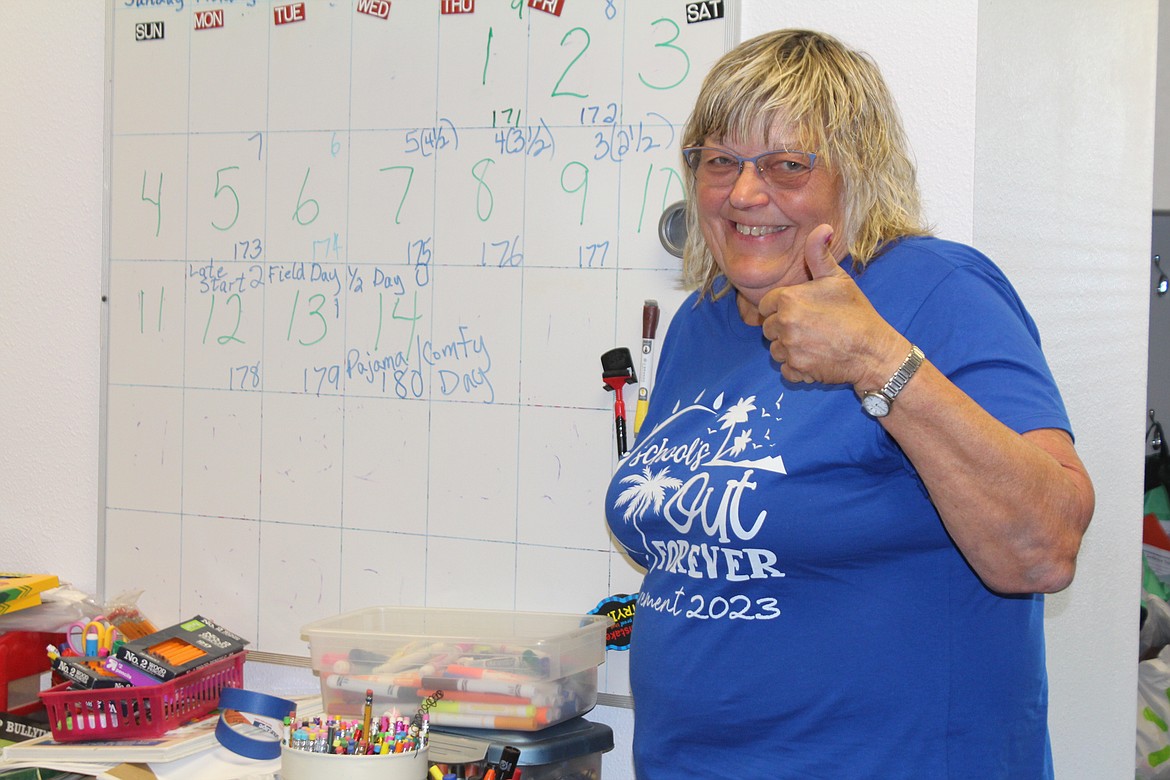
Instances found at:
x=388 y=747
x=303 y=765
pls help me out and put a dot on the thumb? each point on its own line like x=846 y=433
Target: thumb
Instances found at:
x=817 y=256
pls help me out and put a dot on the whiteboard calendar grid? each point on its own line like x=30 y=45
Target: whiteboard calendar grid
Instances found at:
x=360 y=272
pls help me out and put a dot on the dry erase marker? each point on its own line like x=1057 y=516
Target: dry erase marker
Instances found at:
x=509 y=757
x=649 y=329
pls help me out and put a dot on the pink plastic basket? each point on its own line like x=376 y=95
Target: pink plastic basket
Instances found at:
x=141 y=711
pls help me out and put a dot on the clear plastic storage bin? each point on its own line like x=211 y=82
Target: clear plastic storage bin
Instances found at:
x=482 y=669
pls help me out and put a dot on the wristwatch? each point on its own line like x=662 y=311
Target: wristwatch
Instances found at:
x=876 y=403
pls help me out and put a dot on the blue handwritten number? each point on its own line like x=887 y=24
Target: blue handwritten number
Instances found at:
x=329 y=246
x=260 y=149
x=249 y=374
x=510 y=254
x=596 y=255
x=325 y=375
x=418 y=254
x=247 y=250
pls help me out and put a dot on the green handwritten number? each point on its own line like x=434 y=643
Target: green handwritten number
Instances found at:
x=518 y=7
x=162 y=292
x=409 y=178
x=671 y=175
x=220 y=187
x=316 y=302
x=302 y=202
x=157 y=201
x=210 y=314
x=226 y=339
x=670 y=45
x=487 y=56
x=478 y=172
x=378 y=335
x=413 y=320
x=239 y=315
x=582 y=185
x=557 y=86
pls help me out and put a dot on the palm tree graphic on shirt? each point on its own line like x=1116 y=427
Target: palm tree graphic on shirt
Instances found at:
x=650 y=489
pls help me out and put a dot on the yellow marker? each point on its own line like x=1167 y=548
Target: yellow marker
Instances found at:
x=436 y=773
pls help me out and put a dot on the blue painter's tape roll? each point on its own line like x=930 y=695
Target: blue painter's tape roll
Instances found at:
x=265 y=715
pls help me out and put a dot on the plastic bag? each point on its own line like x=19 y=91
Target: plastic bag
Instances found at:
x=1153 y=722
x=59 y=607
x=63 y=605
x=1155 y=631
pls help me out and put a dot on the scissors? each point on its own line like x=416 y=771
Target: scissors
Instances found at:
x=92 y=639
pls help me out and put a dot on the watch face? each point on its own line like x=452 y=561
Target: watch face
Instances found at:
x=875 y=404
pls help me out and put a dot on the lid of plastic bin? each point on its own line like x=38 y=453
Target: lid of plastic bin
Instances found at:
x=575 y=737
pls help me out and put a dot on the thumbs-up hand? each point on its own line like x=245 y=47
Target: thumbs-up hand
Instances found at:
x=825 y=329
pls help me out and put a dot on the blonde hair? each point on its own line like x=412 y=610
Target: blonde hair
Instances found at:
x=838 y=104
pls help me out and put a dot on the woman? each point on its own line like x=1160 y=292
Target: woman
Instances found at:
x=856 y=474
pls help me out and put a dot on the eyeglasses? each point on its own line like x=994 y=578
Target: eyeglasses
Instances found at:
x=784 y=169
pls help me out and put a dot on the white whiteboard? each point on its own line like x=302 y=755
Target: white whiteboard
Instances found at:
x=360 y=274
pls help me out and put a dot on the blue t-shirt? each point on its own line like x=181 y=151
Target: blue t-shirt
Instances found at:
x=804 y=613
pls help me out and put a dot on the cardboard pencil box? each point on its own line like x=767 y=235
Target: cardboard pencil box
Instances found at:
x=181 y=648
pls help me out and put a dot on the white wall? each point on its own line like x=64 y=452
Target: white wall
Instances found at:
x=1162 y=120
x=1076 y=242
x=52 y=66
x=1002 y=99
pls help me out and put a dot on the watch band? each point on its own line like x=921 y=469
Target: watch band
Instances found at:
x=904 y=372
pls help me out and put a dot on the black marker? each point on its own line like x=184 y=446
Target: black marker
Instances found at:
x=506 y=767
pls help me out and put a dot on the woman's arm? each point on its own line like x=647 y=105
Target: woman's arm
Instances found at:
x=1016 y=505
